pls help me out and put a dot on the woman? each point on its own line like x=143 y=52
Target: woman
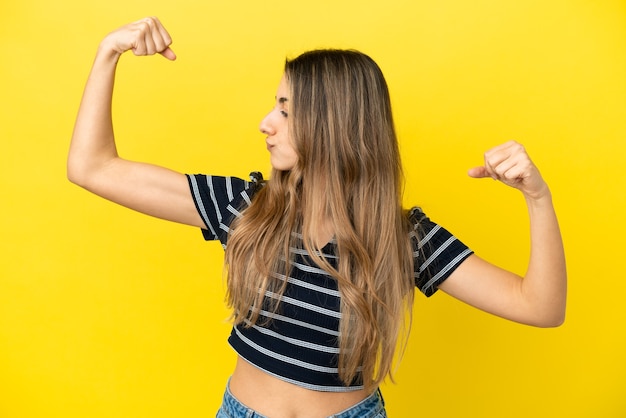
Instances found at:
x=321 y=259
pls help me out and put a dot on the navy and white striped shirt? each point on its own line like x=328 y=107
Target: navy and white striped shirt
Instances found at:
x=300 y=342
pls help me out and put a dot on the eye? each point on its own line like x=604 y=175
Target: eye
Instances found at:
x=285 y=114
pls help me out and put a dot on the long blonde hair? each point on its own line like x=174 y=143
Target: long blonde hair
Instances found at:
x=348 y=173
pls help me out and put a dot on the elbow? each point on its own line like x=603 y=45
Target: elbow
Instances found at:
x=85 y=167
x=71 y=175
x=81 y=174
x=73 y=166
x=555 y=314
x=551 y=320
x=558 y=320
x=74 y=173
x=549 y=311
x=82 y=170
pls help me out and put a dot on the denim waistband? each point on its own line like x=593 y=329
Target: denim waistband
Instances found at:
x=370 y=407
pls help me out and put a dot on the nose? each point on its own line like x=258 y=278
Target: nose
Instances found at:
x=266 y=126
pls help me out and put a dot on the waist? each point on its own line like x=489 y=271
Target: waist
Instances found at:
x=271 y=396
x=294 y=356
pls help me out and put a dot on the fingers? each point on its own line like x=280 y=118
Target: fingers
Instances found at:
x=478 y=172
x=169 y=54
x=144 y=37
x=152 y=38
x=508 y=162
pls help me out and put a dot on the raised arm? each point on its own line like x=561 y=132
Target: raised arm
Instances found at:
x=93 y=162
x=539 y=297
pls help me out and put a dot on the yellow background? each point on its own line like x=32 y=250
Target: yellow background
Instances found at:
x=108 y=313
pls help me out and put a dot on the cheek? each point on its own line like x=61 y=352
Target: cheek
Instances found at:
x=292 y=150
x=294 y=159
x=290 y=157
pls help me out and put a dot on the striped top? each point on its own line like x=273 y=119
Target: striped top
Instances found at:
x=300 y=342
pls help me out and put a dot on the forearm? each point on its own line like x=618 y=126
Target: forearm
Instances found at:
x=539 y=297
x=545 y=283
x=93 y=141
x=93 y=162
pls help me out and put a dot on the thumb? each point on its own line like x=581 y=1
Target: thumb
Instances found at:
x=478 y=172
x=168 y=53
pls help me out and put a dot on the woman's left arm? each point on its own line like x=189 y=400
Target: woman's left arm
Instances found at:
x=539 y=297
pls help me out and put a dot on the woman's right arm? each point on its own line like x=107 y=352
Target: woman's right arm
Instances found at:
x=93 y=162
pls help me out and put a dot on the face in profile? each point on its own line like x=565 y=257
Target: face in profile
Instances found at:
x=276 y=128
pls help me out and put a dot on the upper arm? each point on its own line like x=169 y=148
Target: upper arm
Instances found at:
x=491 y=289
x=147 y=188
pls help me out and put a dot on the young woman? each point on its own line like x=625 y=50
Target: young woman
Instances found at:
x=322 y=261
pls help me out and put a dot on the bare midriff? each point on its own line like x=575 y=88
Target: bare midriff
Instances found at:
x=273 y=397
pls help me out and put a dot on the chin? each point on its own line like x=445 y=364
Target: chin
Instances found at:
x=281 y=168
x=276 y=165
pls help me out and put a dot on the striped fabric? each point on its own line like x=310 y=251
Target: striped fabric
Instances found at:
x=300 y=343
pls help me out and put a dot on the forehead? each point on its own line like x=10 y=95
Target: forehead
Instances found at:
x=283 y=88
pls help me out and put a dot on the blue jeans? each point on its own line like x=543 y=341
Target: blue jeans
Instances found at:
x=371 y=407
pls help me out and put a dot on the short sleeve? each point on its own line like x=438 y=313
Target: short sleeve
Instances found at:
x=436 y=252
x=219 y=200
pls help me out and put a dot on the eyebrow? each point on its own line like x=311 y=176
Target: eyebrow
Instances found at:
x=282 y=100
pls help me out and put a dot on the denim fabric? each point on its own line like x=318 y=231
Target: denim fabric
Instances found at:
x=232 y=408
x=371 y=407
